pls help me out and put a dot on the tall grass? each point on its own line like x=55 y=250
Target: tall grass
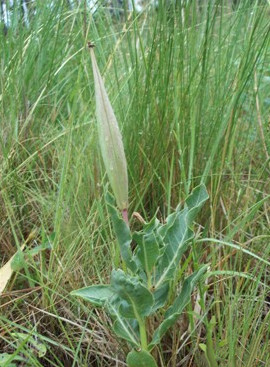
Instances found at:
x=190 y=87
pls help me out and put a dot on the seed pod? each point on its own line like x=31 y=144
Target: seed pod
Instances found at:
x=110 y=139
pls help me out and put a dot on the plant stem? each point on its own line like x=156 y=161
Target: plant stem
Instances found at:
x=143 y=335
x=125 y=216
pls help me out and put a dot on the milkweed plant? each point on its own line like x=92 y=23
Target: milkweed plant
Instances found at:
x=146 y=283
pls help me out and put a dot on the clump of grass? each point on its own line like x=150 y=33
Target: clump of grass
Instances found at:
x=189 y=86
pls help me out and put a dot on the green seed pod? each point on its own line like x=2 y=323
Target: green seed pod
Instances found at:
x=110 y=140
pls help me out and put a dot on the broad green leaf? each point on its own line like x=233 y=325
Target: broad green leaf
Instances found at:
x=162 y=229
x=151 y=226
x=128 y=330
x=140 y=359
x=110 y=140
x=161 y=296
x=195 y=201
x=183 y=298
x=147 y=249
x=123 y=234
x=98 y=295
x=173 y=312
x=177 y=234
x=176 y=240
x=122 y=327
x=136 y=299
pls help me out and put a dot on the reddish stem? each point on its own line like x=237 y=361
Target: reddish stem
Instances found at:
x=125 y=215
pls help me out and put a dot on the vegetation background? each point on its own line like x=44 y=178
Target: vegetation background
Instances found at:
x=189 y=82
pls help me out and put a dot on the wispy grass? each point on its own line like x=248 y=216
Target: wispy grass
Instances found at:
x=190 y=88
